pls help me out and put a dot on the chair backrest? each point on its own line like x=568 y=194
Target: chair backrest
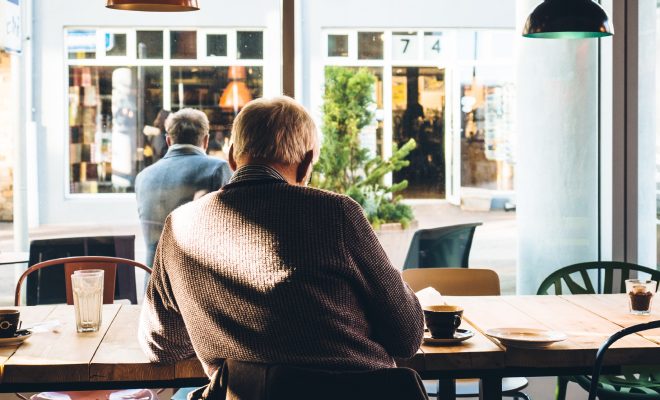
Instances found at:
x=600 y=355
x=454 y=281
x=582 y=278
x=71 y=264
x=444 y=247
x=243 y=380
x=40 y=288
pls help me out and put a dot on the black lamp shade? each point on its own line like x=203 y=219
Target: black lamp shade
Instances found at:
x=568 y=19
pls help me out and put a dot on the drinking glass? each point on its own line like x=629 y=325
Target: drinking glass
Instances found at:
x=87 y=288
x=640 y=295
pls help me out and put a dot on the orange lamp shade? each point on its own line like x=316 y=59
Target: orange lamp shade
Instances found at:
x=154 y=5
x=235 y=96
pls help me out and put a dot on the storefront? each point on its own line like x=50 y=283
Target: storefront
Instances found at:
x=105 y=79
x=449 y=87
x=102 y=79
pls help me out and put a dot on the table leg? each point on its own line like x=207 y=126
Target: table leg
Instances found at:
x=490 y=388
x=446 y=389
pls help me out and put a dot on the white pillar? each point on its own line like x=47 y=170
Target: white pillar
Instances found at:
x=557 y=170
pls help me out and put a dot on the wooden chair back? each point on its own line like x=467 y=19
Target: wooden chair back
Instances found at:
x=108 y=264
x=454 y=281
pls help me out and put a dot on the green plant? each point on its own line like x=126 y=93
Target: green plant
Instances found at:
x=345 y=166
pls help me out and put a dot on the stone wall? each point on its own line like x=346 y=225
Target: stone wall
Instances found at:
x=7 y=126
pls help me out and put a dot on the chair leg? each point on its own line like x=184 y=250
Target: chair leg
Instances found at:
x=562 y=385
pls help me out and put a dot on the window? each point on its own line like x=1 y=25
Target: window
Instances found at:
x=118 y=87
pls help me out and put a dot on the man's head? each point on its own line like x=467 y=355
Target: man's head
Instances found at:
x=188 y=126
x=277 y=132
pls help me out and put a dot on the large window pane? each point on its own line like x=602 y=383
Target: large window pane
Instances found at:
x=418 y=102
x=220 y=92
x=488 y=127
x=108 y=108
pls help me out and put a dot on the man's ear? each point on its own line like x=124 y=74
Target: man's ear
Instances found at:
x=232 y=161
x=304 y=167
x=205 y=142
x=168 y=140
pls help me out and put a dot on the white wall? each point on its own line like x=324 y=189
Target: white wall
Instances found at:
x=51 y=89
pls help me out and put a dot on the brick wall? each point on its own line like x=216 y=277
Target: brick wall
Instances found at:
x=7 y=125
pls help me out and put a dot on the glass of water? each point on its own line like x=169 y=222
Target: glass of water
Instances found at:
x=87 y=288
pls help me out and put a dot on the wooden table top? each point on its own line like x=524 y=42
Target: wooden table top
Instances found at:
x=113 y=354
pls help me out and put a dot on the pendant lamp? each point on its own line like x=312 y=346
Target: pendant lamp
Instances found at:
x=237 y=94
x=154 y=5
x=568 y=19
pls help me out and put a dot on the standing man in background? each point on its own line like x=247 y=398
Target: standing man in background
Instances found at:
x=182 y=175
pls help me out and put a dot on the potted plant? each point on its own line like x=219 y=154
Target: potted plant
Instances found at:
x=345 y=166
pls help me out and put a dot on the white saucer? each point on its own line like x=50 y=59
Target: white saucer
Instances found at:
x=17 y=339
x=459 y=336
x=526 y=338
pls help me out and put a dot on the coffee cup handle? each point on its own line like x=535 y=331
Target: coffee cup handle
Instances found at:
x=457 y=321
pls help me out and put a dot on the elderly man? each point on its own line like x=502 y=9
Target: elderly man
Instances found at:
x=185 y=173
x=267 y=270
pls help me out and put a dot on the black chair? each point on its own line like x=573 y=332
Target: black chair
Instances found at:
x=444 y=247
x=594 y=388
x=244 y=380
x=44 y=286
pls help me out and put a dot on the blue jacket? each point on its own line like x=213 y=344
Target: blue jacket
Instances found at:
x=186 y=172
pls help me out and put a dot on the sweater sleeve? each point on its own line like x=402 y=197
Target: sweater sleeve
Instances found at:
x=162 y=333
x=391 y=306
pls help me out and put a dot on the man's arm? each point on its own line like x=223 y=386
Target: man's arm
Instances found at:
x=393 y=309
x=162 y=333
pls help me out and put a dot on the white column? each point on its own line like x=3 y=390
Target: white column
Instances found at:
x=557 y=170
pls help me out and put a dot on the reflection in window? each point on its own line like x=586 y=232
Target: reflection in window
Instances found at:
x=220 y=92
x=418 y=104
x=488 y=127
x=149 y=44
x=370 y=45
x=108 y=108
x=216 y=45
x=115 y=44
x=337 y=45
x=250 y=45
x=183 y=44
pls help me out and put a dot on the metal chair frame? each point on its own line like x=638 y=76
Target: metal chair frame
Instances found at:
x=600 y=355
x=116 y=261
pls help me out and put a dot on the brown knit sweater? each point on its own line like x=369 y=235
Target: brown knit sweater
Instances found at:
x=265 y=271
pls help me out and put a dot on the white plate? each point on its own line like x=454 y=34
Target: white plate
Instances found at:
x=11 y=341
x=526 y=338
x=459 y=336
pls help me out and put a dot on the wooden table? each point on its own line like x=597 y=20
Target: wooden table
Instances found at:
x=111 y=358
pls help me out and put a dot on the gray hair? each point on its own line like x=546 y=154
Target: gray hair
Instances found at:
x=187 y=126
x=278 y=130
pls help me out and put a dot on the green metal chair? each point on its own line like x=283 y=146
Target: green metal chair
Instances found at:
x=443 y=247
x=583 y=278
